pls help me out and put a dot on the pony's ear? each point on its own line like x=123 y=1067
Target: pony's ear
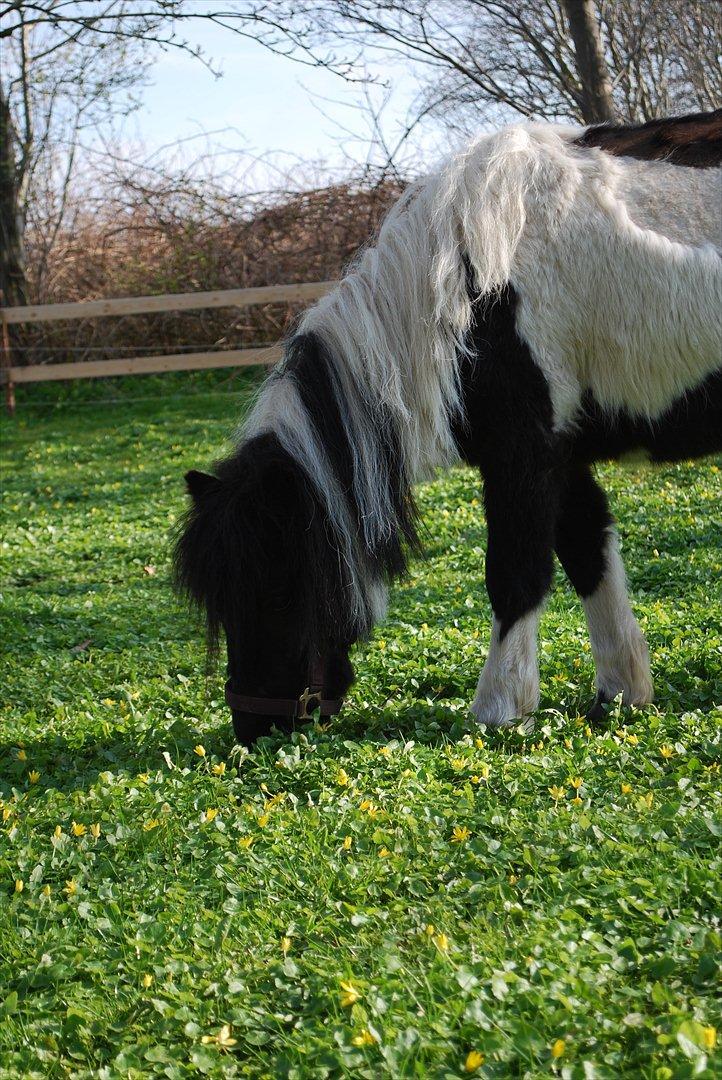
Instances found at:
x=200 y=484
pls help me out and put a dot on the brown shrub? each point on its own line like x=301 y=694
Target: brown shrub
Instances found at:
x=165 y=242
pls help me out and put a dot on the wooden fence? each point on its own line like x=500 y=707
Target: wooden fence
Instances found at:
x=143 y=305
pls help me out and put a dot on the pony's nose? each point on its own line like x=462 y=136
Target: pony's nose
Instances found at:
x=247 y=727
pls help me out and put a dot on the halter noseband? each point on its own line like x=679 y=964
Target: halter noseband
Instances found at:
x=300 y=708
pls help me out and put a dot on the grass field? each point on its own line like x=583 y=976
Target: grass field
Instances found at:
x=395 y=894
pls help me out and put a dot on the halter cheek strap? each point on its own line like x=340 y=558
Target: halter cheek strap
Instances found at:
x=300 y=708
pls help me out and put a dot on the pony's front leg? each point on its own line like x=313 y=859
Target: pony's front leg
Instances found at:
x=520 y=514
x=588 y=549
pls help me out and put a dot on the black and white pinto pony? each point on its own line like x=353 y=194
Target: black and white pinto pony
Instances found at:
x=549 y=298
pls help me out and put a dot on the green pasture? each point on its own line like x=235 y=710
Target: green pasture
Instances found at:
x=394 y=894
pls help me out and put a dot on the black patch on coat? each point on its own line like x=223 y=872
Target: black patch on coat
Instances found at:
x=583 y=523
x=507 y=431
x=694 y=140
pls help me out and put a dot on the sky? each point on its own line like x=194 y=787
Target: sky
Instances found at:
x=288 y=115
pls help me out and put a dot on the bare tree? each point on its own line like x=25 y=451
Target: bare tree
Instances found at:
x=597 y=103
x=68 y=66
x=478 y=59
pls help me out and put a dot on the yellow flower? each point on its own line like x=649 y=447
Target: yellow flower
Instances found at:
x=644 y=802
x=384 y=751
x=211 y=814
x=365 y=805
x=263 y=820
x=430 y=929
x=147 y=980
x=479 y=744
x=484 y=771
x=245 y=842
x=7 y=812
x=57 y=832
x=633 y=740
x=568 y=743
x=384 y=853
x=342 y=778
x=350 y=995
x=22 y=756
x=577 y=800
x=219 y=769
x=557 y=793
x=46 y=890
x=223 y=1038
x=33 y=776
x=95 y=830
x=626 y=788
x=285 y=945
x=558 y=1048
x=460 y=834
x=152 y=824
x=364 y=1038
x=588 y=731
x=201 y=751
x=77 y=829
x=667 y=752
x=70 y=887
x=19 y=886
x=473 y=1060
x=457 y=763
x=576 y=782
x=474 y=779
x=347 y=841
x=709 y=1037
x=442 y=942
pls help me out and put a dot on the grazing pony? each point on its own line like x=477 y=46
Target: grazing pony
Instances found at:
x=549 y=298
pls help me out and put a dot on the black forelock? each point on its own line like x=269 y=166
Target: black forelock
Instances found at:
x=260 y=539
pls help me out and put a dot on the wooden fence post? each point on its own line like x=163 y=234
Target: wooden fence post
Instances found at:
x=5 y=363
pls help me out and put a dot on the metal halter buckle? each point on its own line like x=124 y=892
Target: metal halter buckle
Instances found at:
x=307 y=696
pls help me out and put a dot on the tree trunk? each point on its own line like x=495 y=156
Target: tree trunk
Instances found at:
x=596 y=99
x=12 y=249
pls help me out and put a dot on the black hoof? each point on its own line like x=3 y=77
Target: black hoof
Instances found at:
x=598 y=710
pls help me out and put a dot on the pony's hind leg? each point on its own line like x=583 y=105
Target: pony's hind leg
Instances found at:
x=520 y=512
x=588 y=549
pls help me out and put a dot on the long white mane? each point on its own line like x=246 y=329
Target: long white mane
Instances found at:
x=616 y=265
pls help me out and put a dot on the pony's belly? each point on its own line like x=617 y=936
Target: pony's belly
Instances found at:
x=690 y=428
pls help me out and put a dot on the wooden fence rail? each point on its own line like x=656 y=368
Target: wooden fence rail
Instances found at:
x=11 y=375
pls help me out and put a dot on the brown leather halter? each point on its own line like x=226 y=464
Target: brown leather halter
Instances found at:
x=300 y=708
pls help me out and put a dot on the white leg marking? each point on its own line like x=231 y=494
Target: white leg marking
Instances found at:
x=618 y=646
x=509 y=683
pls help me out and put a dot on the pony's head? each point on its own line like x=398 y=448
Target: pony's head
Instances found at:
x=258 y=553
